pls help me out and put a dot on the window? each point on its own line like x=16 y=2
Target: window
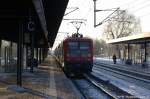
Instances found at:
x=84 y=49
x=84 y=45
x=73 y=49
x=73 y=45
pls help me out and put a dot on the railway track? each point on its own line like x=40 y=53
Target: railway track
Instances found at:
x=89 y=90
x=125 y=72
x=80 y=89
x=105 y=89
x=111 y=90
x=134 y=85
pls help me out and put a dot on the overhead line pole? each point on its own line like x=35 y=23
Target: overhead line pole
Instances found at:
x=107 y=18
x=94 y=13
x=19 y=54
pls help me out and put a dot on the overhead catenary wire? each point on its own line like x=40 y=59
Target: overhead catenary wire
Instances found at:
x=74 y=9
x=128 y=3
x=142 y=7
x=133 y=4
x=137 y=6
x=87 y=14
x=145 y=15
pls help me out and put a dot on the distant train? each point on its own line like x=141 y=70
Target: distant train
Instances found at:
x=76 y=55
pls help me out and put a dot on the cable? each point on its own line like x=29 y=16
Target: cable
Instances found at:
x=131 y=2
x=83 y=5
x=134 y=3
x=147 y=14
x=139 y=6
x=74 y=9
x=87 y=14
x=142 y=7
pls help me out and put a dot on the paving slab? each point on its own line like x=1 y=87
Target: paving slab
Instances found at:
x=47 y=82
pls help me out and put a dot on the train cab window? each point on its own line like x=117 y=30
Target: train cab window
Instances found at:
x=73 y=49
x=73 y=45
x=84 y=45
x=84 y=49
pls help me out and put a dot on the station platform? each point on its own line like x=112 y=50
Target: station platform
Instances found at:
x=120 y=63
x=47 y=82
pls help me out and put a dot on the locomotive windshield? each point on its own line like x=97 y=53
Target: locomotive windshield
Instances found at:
x=73 y=49
x=84 y=49
x=73 y=45
x=84 y=45
x=76 y=49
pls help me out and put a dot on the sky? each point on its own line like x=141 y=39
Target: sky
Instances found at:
x=139 y=8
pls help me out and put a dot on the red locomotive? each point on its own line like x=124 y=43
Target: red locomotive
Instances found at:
x=76 y=54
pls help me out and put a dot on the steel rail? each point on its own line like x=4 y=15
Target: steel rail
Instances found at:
x=111 y=90
x=99 y=87
x=124 y=74
x=145 y=76
x=79 y=89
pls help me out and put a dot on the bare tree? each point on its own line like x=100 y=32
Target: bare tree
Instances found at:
x=100 y=48
x=122 y=24
x=97 y=47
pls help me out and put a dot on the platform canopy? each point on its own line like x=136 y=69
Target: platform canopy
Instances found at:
x=15 y=15
x=133 y=39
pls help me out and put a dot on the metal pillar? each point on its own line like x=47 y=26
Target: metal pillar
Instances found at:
x=43 y=56
x=37 y=54
x=5 y=56
x=145 y=51
x=27 y=57
x=128 y=51
x=32 y=51
x=94 y=13
x=0 y=50
x=31 y=28
x=8 y=51
x=19 y=55
x=40 y=55
x=11 y=44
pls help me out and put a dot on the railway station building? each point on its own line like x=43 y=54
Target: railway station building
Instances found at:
x=133 y=49
x=28 y=28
